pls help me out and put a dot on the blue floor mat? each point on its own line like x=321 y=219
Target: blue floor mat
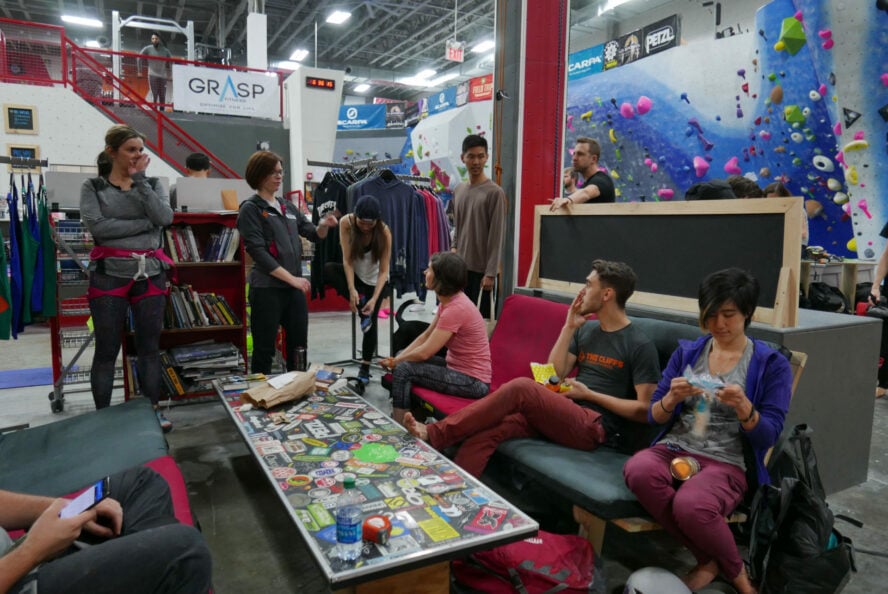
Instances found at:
x=20 y=378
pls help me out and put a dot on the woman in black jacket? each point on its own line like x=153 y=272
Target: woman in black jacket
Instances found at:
x=271 y=228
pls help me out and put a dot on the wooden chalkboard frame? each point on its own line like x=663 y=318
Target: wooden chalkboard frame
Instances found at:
x=782 y=313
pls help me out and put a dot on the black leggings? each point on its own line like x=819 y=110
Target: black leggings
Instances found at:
x=334 y=275
x=270 y=308
x=109 y=321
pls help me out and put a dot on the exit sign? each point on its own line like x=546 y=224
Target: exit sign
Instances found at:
x=454 y=50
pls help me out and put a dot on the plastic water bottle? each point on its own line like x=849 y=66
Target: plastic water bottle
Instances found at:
x=348 y=522
x=702 y=413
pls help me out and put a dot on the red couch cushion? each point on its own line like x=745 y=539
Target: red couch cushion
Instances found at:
x=525 y=333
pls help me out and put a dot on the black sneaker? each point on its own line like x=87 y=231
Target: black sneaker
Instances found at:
x=364 y=374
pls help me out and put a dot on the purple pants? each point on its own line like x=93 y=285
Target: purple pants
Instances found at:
x=692 y=511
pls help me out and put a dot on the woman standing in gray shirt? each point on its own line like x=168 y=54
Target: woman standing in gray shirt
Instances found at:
x=126 y=211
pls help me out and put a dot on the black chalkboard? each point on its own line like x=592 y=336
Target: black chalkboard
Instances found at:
x=20 y=118
x=670 y=254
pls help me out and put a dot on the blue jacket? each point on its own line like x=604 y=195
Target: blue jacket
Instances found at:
x=768 y=386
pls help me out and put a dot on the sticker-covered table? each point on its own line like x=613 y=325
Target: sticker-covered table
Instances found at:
x=437 y=511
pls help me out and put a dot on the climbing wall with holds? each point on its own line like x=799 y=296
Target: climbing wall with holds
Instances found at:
x=852 y=46
x=797 y=100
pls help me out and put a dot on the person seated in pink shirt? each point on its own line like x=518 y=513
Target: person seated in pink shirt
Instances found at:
x=458 y=325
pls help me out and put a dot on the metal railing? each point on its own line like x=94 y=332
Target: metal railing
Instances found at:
x=38 y=54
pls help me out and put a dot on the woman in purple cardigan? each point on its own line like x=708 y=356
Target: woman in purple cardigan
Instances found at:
x=741 y=412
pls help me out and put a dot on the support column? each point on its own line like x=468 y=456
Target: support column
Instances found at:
x=257 y=41
x=529 y=125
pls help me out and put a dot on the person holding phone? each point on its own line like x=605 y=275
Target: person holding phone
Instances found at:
x=102 y=548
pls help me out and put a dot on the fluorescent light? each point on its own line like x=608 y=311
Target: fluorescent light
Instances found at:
x=287 y=65
x=361 y=88
x=299 y=55
x=425 y=74
x=93 y=43
x=443 y=79
x=338 y=17
x=484 y=46
x=83 y=21
x=413 y=81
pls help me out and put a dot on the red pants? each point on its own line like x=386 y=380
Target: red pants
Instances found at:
x=519 y=408
x=692 y=511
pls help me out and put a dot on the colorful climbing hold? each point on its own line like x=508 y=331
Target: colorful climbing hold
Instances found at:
x=793 y=114
x=792 y=35
x=823 y=163
x=776 y=95
x=666 y=193
x=627 y=111
x=701 y=166
x=732 y=168
x=586 y=117
x=644 y=105
x=862 y=205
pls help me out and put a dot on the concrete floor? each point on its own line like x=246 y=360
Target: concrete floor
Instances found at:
x=254 y=545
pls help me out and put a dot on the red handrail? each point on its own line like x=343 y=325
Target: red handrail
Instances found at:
x=134 y=98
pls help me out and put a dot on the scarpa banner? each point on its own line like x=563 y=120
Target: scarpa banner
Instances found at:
x=228 y=92
x=361 y=117
x=585 y=62
x=442 y=101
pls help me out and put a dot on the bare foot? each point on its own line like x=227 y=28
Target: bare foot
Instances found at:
x=880 y=392
x=416 y=428
x=701 y=576
x=742 y=583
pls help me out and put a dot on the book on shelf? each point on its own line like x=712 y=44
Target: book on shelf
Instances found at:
x=230 y=314
x=233 y=245
x=174 y=253
x=192 y=244
x=132 y=376
x=202 y=351
x=170 y=376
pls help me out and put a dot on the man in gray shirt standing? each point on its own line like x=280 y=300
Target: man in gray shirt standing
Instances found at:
x=479 y=212
x=158 y=70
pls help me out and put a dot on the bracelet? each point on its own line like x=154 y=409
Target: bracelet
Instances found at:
x=749 y=418
x=663 y=406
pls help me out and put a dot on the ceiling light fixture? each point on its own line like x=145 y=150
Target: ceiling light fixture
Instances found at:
x=361 y=88
x=337 y=17
x=484 y=46
x=426 y=74
x=93 y=44
x=299 y=55
x=288 y=65
x=83 y=21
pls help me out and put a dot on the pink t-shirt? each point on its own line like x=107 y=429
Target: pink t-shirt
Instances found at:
x=468 y=350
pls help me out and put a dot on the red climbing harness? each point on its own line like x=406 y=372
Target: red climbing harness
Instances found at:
x=100 y=252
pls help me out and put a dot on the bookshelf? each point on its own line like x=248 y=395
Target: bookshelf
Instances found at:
x=191 y=316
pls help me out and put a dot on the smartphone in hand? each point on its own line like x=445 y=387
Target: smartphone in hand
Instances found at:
x=86 y=500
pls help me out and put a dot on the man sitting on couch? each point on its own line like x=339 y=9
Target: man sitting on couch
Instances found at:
x=129 y=542
x=607 y=403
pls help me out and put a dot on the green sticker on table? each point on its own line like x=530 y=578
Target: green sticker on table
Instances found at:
x=376 y=452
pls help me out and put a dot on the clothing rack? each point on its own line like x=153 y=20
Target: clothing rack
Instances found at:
x=415 y=179
x=22 y=163
x=354 y=164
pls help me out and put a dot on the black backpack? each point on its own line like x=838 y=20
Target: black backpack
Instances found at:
x=793 y=546
x=827 y=298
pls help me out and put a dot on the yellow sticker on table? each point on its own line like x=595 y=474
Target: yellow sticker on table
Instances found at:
x=438 y=529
